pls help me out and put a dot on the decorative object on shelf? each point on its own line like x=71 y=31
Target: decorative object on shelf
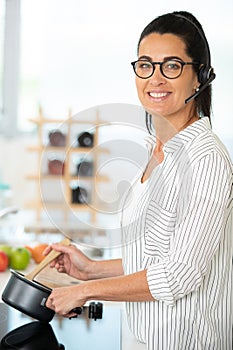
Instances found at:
x=79 y=195
x=86 y=139
x=85 y=168
x=57 y=138
x=56 y=167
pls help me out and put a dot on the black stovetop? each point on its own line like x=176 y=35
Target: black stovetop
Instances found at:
x=80 y=333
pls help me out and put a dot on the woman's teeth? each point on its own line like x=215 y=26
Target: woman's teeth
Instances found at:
x=158 y=94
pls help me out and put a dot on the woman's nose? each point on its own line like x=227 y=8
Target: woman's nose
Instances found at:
x=157 y=76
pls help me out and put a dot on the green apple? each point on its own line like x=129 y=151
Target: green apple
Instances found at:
x=6 y=249
x=20 y=258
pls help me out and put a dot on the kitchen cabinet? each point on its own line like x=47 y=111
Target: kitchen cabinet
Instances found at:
x=67 y=176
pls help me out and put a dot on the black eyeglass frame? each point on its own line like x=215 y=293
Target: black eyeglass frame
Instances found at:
x=160 y=66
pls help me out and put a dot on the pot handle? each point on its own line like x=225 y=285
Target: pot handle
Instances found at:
x=48 y=259
x=77 y=310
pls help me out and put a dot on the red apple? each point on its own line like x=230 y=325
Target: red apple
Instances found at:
x=6 y=249
x=3 y=261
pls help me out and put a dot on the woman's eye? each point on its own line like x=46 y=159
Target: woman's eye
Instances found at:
x=172 y=65
x=144 y=65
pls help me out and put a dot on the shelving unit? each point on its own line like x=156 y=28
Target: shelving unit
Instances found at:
x=71 y=149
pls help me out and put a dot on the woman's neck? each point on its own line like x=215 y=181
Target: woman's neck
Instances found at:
x=165 y=129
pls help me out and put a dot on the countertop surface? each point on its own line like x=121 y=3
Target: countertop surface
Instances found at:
x=48 y=275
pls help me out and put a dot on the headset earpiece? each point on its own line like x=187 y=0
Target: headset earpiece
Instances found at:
x=203 y=86
x=204 y=74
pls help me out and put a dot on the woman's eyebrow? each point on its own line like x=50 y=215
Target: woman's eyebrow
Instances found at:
x=173 y=58
x=148 y=58
x=145 y=58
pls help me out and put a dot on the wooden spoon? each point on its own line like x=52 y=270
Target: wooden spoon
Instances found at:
x=48 y=259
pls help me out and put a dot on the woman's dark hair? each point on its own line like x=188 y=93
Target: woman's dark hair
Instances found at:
x=186 y=26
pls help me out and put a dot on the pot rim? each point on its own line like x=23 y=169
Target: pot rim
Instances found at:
x=35 y=284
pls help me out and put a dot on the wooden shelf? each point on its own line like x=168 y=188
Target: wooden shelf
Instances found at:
x=41 y=148
x=71 y=177
x=65 y=149
x=88 y=149
x=60 y=205
x=90 y=178
x=41 y=205
x=45 y=176
x=42 y=120
x=38 y=205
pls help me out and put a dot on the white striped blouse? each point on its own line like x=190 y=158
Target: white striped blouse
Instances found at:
x=179 y=226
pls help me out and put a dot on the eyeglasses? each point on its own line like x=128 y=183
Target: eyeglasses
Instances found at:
x=170 y=69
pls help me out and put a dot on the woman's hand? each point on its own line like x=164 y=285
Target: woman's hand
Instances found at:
x=72 y=261
x=132 y=287
x=63 y=300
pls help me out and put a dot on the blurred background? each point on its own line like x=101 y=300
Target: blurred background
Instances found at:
x=65 y=58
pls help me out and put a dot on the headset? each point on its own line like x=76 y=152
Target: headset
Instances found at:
x=206 y=73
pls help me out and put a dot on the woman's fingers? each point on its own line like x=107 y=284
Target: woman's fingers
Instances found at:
x=58 y=248
x=47 y=250
x=63 y=300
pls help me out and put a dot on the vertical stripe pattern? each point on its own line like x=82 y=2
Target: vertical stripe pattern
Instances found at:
x=179 y=227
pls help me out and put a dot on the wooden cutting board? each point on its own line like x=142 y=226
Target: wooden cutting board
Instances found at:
x=53 y=279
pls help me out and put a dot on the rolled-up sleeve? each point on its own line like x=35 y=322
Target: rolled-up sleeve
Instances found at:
x=201 y=212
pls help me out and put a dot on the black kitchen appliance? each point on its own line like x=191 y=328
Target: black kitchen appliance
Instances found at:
x=19 y=331
x=31 y=336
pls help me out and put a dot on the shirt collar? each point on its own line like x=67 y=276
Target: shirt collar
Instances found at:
x=182 y=137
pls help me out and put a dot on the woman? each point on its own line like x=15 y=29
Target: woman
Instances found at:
x=175 y=274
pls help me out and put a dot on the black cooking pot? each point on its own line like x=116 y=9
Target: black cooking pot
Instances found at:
x=28 y=297
x=31 y=336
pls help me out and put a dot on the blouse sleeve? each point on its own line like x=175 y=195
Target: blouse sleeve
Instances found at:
x=201 y=212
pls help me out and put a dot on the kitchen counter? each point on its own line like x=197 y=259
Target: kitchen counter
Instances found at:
x=128 y=341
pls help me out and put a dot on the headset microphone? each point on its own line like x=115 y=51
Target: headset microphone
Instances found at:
x=201 y=88
x=206 y=73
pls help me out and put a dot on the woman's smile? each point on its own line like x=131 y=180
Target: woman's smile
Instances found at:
x=158 y=96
